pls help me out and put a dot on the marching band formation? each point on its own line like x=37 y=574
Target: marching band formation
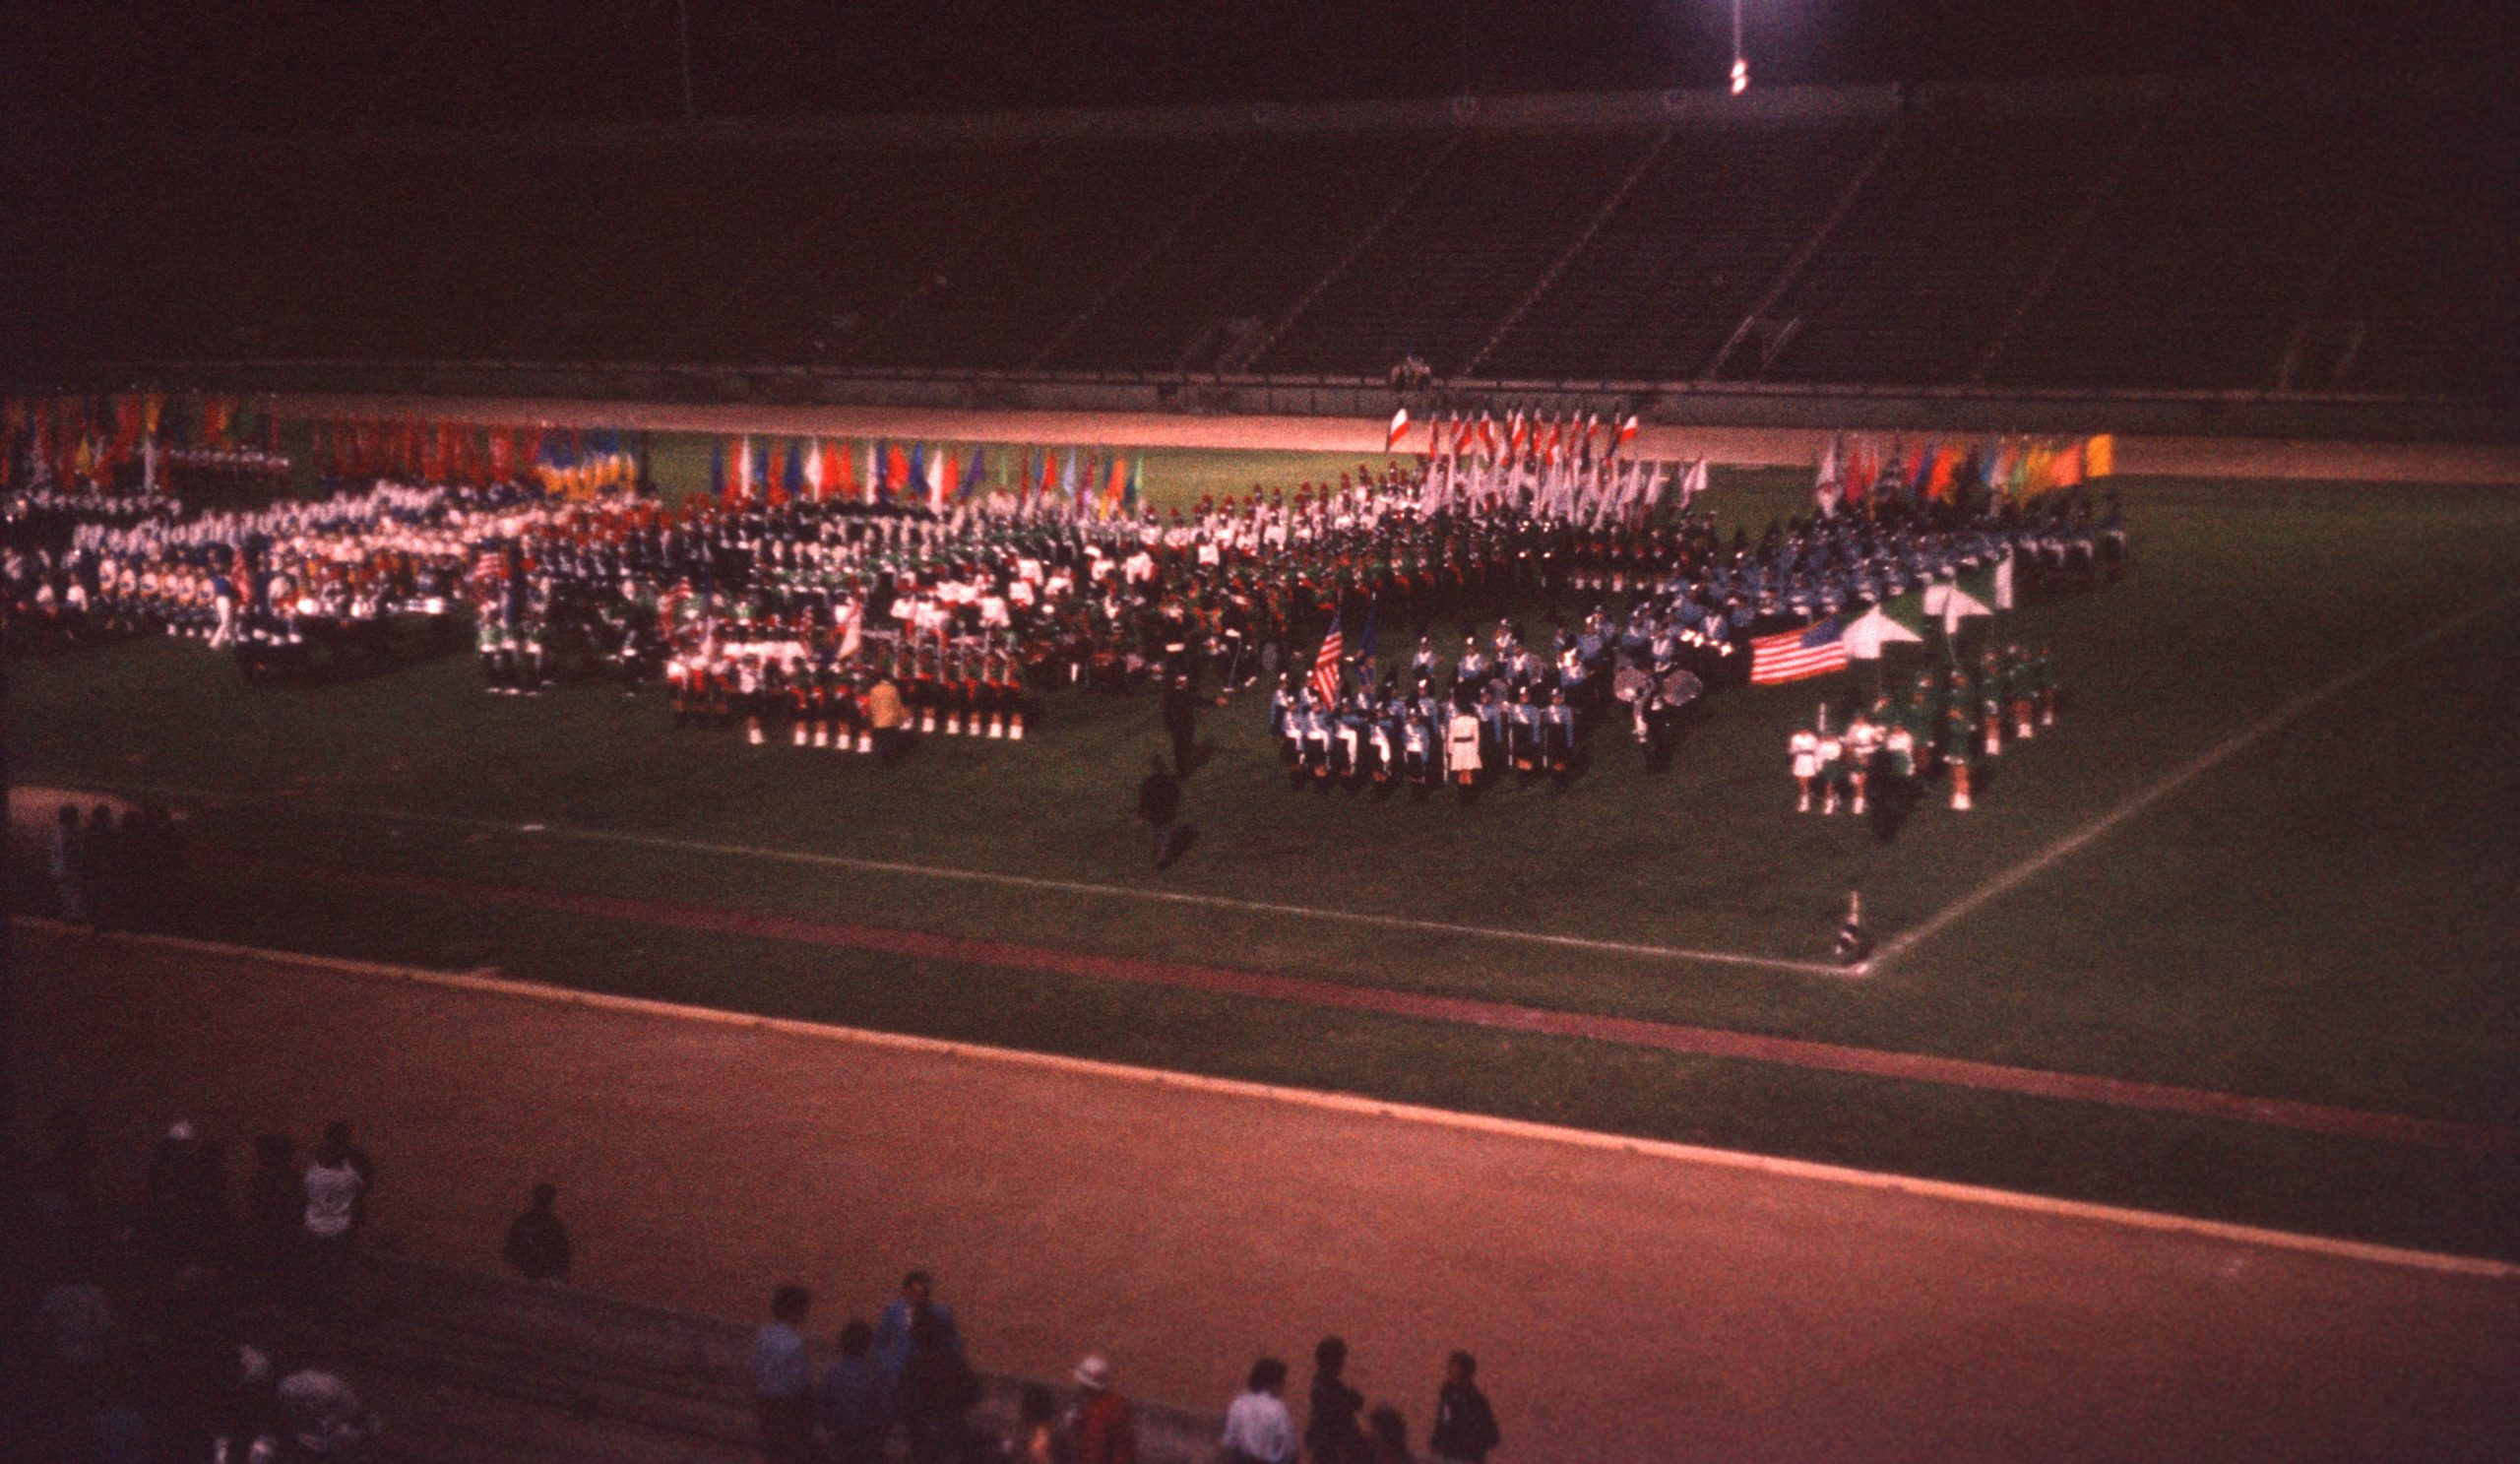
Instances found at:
x=1950 y=722
x=851 y=624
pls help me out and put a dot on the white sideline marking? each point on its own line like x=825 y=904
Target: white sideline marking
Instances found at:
x=1061 y=886
x=1353 y=1103
x=2213 y=757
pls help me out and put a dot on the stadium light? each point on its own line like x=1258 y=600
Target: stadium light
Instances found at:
x=1740 y=63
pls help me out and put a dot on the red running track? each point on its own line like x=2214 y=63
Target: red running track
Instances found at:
x=1709 y=1041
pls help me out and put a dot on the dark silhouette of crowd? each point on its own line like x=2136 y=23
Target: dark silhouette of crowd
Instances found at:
x=116 y=870
x=198 y=1321
x=189 y=1324
x=906 y=1376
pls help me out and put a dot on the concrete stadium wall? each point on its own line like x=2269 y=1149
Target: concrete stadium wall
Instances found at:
x=2277 y=458
x=765 y=392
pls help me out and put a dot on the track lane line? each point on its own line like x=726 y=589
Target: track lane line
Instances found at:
x=482 y=982
x=1312 y=991
x=862 y=865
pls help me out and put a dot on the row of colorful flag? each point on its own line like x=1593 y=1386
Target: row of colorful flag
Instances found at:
x=578 y=461
x=1853 y=470
x=936 y=477
x=91 y=440
x=1516 y=438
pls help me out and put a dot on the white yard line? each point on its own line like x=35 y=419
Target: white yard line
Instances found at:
x=2021 y=873
x=1063 y=886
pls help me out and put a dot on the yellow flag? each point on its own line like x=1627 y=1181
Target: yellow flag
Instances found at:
x=2100 y=456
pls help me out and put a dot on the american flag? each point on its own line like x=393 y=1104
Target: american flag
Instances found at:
x=1793 y=655
x=1325 y=666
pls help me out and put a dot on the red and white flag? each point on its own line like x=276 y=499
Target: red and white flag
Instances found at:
x=1793 y=655
x=1626 y=434
x=1399 y=429
x=1325 y=665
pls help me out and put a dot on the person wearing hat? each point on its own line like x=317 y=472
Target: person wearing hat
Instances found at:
x=1102 y=1427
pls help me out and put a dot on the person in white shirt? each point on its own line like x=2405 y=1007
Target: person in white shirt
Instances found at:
x=325 y=1417
x=336 y=1187
x=1258 y=1429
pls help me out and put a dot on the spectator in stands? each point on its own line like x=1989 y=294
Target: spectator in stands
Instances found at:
x=336 y=1186
x=893 y=1343
x=163 y=884
x=274 y=1204
x=538 y=1242
x=937 y=1393
x=1037 y=1427
x=253 y=1397
x=184 y=1214
x=1388 y=1434
x=851 y=1400
x=103 y=869
x=117 y=1426
x=1464 y=1426
x=324 y=1418
x=69 y=867
x=191 y=1364
x=782 y=1379
x=79 y=1323
x=1103 y=1429
x=1258 y=1429
x=1330 y=1431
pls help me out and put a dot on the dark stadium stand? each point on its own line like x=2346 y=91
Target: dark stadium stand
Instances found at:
x=1670 y=274
x=1281 y=222
x=1431 y=283
x=2128 y=238
x=2189 y=274
x=1943 y=237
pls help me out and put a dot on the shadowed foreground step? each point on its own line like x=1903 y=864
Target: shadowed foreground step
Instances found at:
x=466 y=1366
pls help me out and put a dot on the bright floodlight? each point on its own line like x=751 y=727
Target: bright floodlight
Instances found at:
x=1740 y=76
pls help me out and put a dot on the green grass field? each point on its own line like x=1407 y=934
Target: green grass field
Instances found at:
x=2324 y=916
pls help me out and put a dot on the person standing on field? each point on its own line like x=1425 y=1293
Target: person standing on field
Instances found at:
x=1159 y=806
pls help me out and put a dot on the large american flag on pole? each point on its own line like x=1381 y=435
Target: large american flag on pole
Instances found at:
x=1325 y=666
x=1791 y=656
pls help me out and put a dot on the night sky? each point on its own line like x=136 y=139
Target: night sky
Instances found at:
x=296 y=65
